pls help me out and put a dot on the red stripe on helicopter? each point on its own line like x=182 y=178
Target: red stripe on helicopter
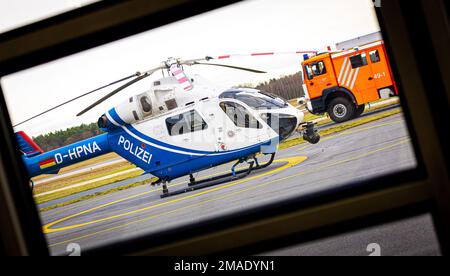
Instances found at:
x=177 y=72
x=183 y=79
x=45 y=162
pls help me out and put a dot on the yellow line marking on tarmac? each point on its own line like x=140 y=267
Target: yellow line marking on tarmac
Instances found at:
x=93 y=200
x=401 y=142
x=148 y=218
x=350 y=131
x=90 y=201
x=292 y=161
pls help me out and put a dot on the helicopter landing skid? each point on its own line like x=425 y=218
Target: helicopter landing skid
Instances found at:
x=193 y=182
x=217 y=180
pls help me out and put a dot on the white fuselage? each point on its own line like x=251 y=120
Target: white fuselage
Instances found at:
x=175 y=126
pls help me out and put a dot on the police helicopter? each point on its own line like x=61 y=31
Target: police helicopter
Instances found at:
x=181 y=126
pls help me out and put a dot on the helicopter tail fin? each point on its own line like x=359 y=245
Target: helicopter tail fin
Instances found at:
x=27 y=146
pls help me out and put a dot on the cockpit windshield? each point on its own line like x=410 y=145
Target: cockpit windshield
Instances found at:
x=256 y=99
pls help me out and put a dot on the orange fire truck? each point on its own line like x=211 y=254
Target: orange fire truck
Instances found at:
x=341 y=83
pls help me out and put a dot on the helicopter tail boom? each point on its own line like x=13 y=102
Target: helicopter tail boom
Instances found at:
x=51 y=162
x=27 y=146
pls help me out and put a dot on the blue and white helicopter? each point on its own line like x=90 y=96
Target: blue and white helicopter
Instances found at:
x=181 y=126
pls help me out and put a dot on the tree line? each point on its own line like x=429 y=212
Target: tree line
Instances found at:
x=66 y=137
x=288 y=87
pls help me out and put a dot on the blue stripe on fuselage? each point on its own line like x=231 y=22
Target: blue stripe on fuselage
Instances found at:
x=162 y=144
x=186 y=150
x=116 y=117
x=170 y=165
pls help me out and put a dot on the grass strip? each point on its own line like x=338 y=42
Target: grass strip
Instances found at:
x=81 y=177
x=76 y=190
x=87 y=197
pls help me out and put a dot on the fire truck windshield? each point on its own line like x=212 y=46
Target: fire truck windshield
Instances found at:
x=315 y=69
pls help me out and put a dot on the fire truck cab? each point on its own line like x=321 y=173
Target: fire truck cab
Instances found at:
x=341 y=83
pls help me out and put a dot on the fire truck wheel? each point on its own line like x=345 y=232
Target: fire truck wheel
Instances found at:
x=341 y=110
x=360 y=110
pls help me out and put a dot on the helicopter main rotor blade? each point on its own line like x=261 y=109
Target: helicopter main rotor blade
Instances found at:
x=230 y=66
x=76 y=98
x=109 y=95
x=191 y=61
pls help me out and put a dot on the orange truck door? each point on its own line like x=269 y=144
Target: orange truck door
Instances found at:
x=359 y=79
x=380 y=68
x=320 y=76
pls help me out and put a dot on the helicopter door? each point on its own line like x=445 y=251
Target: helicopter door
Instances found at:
x=188 y=130
x=242 y=128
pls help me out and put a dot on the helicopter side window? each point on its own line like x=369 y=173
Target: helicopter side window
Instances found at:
x=228 y=95
x=240 y=115
x=146 y=104
x=263 y=100
x=251 y=101
x=260 y=102
x=185 y=123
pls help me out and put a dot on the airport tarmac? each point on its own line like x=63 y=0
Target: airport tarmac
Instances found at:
x=358 y=154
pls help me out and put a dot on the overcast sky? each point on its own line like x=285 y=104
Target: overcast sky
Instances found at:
x=251 y=26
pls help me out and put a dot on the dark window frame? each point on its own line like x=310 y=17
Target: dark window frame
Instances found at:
x=377 y=55
x=397 y=19
x=361 y=62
